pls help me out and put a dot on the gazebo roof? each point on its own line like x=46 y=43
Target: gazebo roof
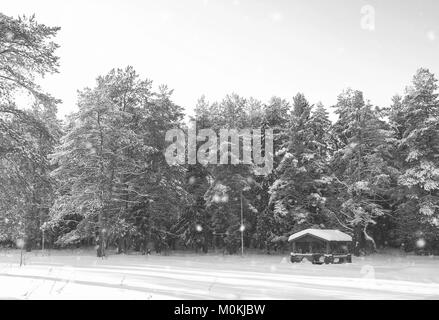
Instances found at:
x=324 y=234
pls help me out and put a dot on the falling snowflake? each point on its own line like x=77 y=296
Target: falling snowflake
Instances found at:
x=276 y=17
x=192 y=180
x=431 y=35
x=225 y=198
x=341 y=50
x=20 y=243
x=216 y=198
x=421 y=243
x=9 y=36
x=166 y=16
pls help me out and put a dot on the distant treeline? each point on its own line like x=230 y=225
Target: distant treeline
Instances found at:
x=100 y=177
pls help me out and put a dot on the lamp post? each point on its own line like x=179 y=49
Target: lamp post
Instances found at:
x=242 y=228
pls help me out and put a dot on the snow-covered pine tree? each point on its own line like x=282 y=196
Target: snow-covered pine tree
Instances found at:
x=194 y=225
x=114 y=181
x=417 y=117
x=362 y=174
x=297 y=196
x=27 y=132
x=277 y=117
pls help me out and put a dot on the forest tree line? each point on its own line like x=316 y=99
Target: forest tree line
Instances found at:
x=100 y=177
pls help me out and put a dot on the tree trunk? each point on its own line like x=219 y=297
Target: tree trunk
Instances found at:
x=101 y=238
x=369 y=239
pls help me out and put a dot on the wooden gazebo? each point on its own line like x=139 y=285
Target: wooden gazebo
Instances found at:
x=320 y=246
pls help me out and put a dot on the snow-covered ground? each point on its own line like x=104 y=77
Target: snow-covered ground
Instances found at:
x=80 y=275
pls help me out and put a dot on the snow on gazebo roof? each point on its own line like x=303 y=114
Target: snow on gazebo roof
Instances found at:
x=324 y=234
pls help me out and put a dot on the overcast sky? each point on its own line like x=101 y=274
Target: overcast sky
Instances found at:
x=254 y=48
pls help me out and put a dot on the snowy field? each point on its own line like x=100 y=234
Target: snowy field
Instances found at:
x=80 y=275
